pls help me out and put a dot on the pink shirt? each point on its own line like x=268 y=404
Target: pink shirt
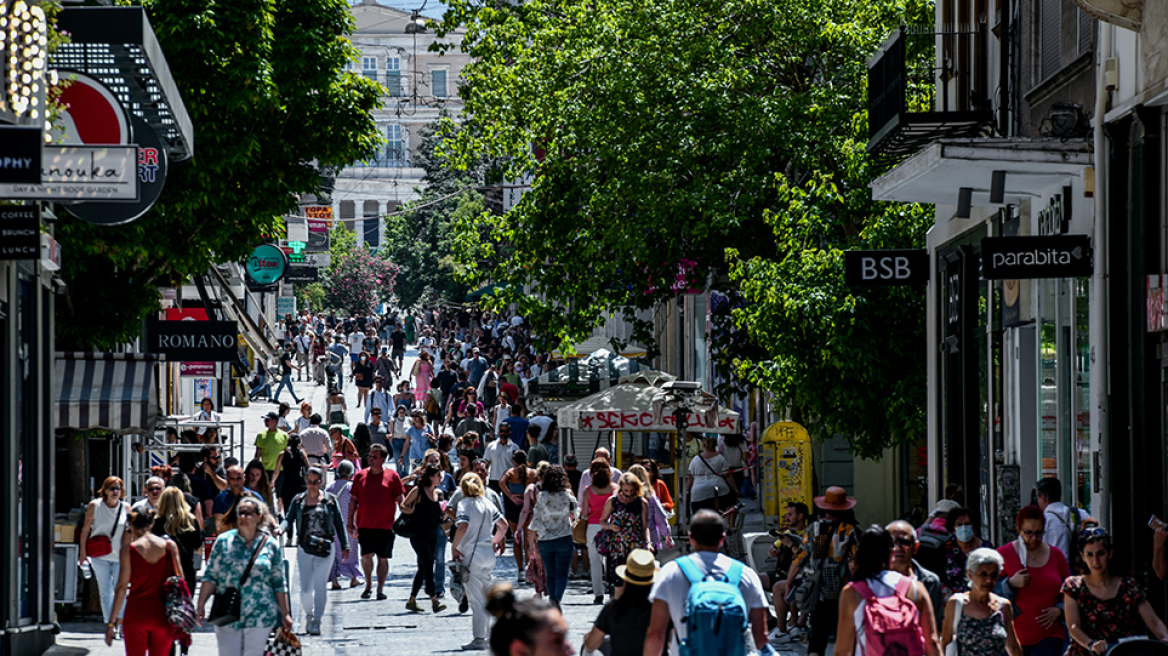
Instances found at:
x=595 y=505
x=1044 y=591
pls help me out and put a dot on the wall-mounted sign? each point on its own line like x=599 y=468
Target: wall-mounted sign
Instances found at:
x=295 y=251
x=152 y=167
x=20 y=154
x=267 y=264
x=204 y=341
x=318 y=260
x=80 y=173
x=1055 y=218
x=1063 y=256
x=889 y=268
x=318 y=230
x=285 y=305
x=93 y=114
x=196 y=369
x=20 y=233
x=302 y=274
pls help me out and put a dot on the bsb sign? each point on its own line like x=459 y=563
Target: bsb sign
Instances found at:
x=206 y=341
x=1055 y=256
x=888 y=268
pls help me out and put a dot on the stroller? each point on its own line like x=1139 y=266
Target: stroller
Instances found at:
x=1138 y=646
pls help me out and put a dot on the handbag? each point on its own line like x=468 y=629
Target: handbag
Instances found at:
x=603 y=541
x=405 y=525
x=283 y=643
x=180 y=609
x=225 y=609
x=952 y=649
x=315 y=545
x=461 y=570
x=580 y=530
x=101 y=545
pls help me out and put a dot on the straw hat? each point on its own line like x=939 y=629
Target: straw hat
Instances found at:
x=640 y=569
x=835 y=498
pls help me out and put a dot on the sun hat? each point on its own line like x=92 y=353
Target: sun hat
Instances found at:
x=835 y=498
x=640 y=568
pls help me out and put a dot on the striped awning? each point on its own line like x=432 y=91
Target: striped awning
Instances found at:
x=106 y=391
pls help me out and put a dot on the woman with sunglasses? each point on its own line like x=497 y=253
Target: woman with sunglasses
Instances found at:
x=984 y=621
x=315 y=518
x=1102 y=607
x=1034 y=573
x=106 y=516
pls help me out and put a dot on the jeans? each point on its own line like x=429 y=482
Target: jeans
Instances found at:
x=314 y=576
x=557 y=557
x=105 y=575
x=242 y=642
x=595 y=562
x=440 y=562
x=285 y=381
x=398 y=447
x=481 y=566
x=424 y=546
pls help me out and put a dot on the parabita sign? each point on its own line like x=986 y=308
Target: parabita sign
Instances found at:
x=1061 y=256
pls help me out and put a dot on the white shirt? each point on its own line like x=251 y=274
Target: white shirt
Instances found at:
x=517 y=320
x=479 y=517
x=1057 y=534
x=356 y=342
x=673 y=587
x=498 y=457
x=544 y=422
x=706 y=483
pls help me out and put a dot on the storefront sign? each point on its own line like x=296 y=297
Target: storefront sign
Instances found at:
x=1055 y=218
x=20 y=233
x=318 y=230
x=196 y=370
x=152 y=167
x=285 y=305
x=1063 y=256
x=204 y=341
x=267 y=264
x=302 y=274
x=643 y=421
x=82 y=173
x=20 y=154
x=888 y=268
x=318 y=260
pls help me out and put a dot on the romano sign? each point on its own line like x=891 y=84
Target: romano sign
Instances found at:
x=1059 y=256
x=207 y=341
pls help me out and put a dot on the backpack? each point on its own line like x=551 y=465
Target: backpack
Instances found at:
x=715 y=612
x=892 y=625
x=1074 y=524
x=931 y=551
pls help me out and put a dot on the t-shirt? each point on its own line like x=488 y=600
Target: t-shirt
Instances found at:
x=518 y=428
x=200 y=488
x=475 y=368
x=706 y=483
x=478 y=515
x=627 y=627
x=377 y=497
x=398 y=339
x=315 y=441
x=446 y=380
x=672 y=587
x=379 y=432
x=286 y=363
x=225 y=499
x=356 y=341
x=1044 y=591
x=419 y=442
x=270 y=445
x=498 y=457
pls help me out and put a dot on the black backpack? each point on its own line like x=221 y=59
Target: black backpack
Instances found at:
x=931 y=551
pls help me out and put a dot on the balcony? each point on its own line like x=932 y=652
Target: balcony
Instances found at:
x=916 y=97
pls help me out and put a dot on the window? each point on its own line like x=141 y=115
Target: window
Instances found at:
x=393 y=77
x=1086 y=28
x=369 y=67
x=438 y=83
x=372 y=224
x=1049 y=33
x=395 y=149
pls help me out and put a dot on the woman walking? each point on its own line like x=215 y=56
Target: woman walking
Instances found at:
x=336 y=406
x=422 y=373
x=318 y=359
x=1036 y=572
x=175 y=522
x=105 y=517
x=423 y=502
x=513 y=484
x=346 y=567
x=709 y=485
x=984 y=621
x=959 y=524
x=627 y=516
x=627 y=619
x=475 y=548
x=534 y=572
x=343 y=448
x=264 y=594
x=291 y=466
x=658 y=519
x=255 y=478
x=315 y=519
x=404 y=396
x=551 y=529
x=146 y=564
x=363 y=376
x=592 y=506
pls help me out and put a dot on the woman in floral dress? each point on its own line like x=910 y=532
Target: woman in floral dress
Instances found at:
x=984 y=621
x=627 y=515
x=346 y=567
x=1101 y=607
x=422 y=373
x=959 y=523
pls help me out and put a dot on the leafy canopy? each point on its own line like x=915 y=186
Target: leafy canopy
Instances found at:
x=265 y=88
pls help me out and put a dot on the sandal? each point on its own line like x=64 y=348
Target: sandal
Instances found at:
x=366 y=594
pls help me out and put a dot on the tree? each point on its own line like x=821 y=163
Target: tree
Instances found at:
x=311 y=296
x=356 y=280
x=673 y=143
x=270 y=103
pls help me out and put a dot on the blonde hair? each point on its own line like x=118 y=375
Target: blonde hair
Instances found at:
x=643 y=474
x=632 y=479
x=472 y=485
x=173 y=507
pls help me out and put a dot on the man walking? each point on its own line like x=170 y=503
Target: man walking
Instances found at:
x=316 y=442
x=303 y=348
x=397 y=342
x=904 y=547
x=418 y=440
x=269 y=444
x=373 y=499
x=379 y=398
x=286 y=368
x=225 y=500
x=707 y=532
x=498 y=457
x=1061 y=521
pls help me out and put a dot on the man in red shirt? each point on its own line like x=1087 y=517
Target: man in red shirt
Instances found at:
x=373 y=500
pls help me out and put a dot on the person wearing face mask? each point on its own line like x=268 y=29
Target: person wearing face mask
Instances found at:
x=363 y=376
x=1033 y=578
x=959 y=523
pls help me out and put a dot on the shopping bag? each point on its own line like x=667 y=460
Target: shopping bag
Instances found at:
x=456 y=589
x=283 y=643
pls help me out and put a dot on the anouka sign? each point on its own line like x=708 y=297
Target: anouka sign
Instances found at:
x=207 y=341
x=1055 y=256
x=267 y=264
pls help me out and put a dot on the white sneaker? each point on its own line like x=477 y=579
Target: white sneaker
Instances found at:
x=314 y=627
x=478 y=644
x=777 y=637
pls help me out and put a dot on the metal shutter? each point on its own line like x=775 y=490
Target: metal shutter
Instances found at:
x=1049 y=17
x=1086 y=28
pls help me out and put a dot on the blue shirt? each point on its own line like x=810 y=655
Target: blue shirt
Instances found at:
x=518 y=429
x=225 y=499
x=419 y=443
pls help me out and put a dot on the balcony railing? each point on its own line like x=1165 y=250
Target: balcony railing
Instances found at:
x=905 y=109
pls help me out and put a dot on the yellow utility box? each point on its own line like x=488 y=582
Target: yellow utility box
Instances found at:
x=785 y=454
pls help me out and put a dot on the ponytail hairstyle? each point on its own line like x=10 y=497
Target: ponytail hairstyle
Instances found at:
x=515 y=620
x=142 y=519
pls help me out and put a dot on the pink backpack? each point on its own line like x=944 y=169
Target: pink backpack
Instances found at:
x=892 y=625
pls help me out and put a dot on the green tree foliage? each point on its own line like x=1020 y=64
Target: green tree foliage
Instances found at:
x=310 y=297
x=684 y=141
x=265 y=88
x=356 y=280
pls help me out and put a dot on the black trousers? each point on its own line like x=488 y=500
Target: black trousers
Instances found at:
x=424 y=546
x=823 y=622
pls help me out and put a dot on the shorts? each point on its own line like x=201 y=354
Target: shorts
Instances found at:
x=511 y=510
x=398 y=352
x=376 y=541
x=354 y=357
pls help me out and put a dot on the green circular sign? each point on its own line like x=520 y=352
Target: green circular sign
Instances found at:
x=267 y=264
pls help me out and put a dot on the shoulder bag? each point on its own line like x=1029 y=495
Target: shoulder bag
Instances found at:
x=406 y=525
x=102 y=545
x=180 y=609
x=461 y=574
x=314 y=545
x=226 y=607
x=952 y=648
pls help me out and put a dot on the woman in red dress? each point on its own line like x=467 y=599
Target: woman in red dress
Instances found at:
x=146 y=565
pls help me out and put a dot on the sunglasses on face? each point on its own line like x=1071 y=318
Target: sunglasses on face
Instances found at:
x=903 y=541
x=246 y=513
x=312 y=482
x=153 y=489
x=115 y=489
x=1034 y=534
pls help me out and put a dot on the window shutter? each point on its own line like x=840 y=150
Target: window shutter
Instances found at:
x=1049 y=17
x=438 y=83
x=1086 y=29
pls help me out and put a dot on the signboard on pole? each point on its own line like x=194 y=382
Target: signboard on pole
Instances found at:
x=285 y=305
x=1056 y=256
x=318 y=230
x=152 y=167
x=77 y=173
x=267 y=264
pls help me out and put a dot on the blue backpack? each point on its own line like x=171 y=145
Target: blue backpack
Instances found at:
x=715 y=612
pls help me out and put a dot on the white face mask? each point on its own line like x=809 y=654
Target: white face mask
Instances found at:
x=964 y=533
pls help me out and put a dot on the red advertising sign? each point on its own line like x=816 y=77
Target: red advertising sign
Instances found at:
x=643 y=421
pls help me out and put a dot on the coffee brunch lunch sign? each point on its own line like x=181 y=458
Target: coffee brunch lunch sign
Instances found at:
x=267 y=264
x=1056 y=256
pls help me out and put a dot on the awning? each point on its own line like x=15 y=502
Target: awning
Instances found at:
x=935 y=174
x=598 y=371
x=106 y=391
x=629 y=407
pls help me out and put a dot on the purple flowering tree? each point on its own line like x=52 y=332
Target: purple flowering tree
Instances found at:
x=357 y=280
